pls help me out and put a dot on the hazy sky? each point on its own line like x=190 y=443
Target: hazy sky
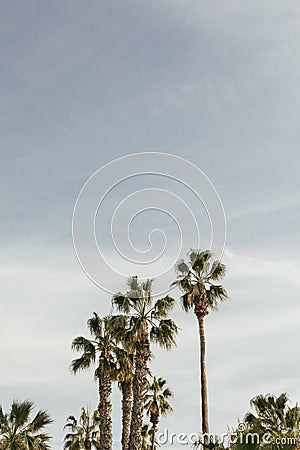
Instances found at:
x=215 y=82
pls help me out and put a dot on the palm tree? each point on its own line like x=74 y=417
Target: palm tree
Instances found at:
x=275 y=418
x=124 y=376
x=157 y=404
x=145 y=320
x=195 y=279
x=83 y=434
x=105 y=347
x=146 y=437
x=19 y=432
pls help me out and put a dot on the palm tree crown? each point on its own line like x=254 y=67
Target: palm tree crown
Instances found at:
x=197 y=274
x=272 y=426
x=157 y=398
x=19 y=432
x=102 y=345
x=143 y=313
x=273 y=415
x=83 y=433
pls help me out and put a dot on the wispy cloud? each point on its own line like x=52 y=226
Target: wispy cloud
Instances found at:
x=265 y=208
x=248 y=266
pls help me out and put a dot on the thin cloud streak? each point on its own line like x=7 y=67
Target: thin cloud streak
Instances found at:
x=265 y=208
x=246 y=265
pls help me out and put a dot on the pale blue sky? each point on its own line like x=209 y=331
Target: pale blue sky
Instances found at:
x=215 y=82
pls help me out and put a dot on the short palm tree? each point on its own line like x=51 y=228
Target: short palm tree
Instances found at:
x=195 y=278
x=273 y=416
x=104 y=346
x=19 y=432
x=146 y=437
x=144 y=320
x=157 y=404
x=83 y=434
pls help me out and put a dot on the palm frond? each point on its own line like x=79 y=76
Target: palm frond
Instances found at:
x=156 y=399
x=164 y=334
x=215 y=294
x=218 y=271
x=40 y=421
x=80 y=343
x=3 y=417
x=185 y=284
x=187 y=301
x=122 y=303
x=117 y=325
x=20 y=412
x=147 y=286
x=200 y=261
x=82 y=363
x=19 y=433
x=181 y=267
x=133 y=283
x=95 y=325
x=162 y=307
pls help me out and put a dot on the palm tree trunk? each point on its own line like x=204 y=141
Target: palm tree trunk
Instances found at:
x=87 y=443
x=105 y=410
x=204 y=396
x=154 y=429
x=100 y=404
x=126 y=387
x=154 y=419
x=139 y=391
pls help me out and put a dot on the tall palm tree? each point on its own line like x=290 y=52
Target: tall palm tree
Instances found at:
x=157 y=404
x=19 y=432
x=195 y=279
x=147 y=320
x=83 y=433
x=104 y=346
